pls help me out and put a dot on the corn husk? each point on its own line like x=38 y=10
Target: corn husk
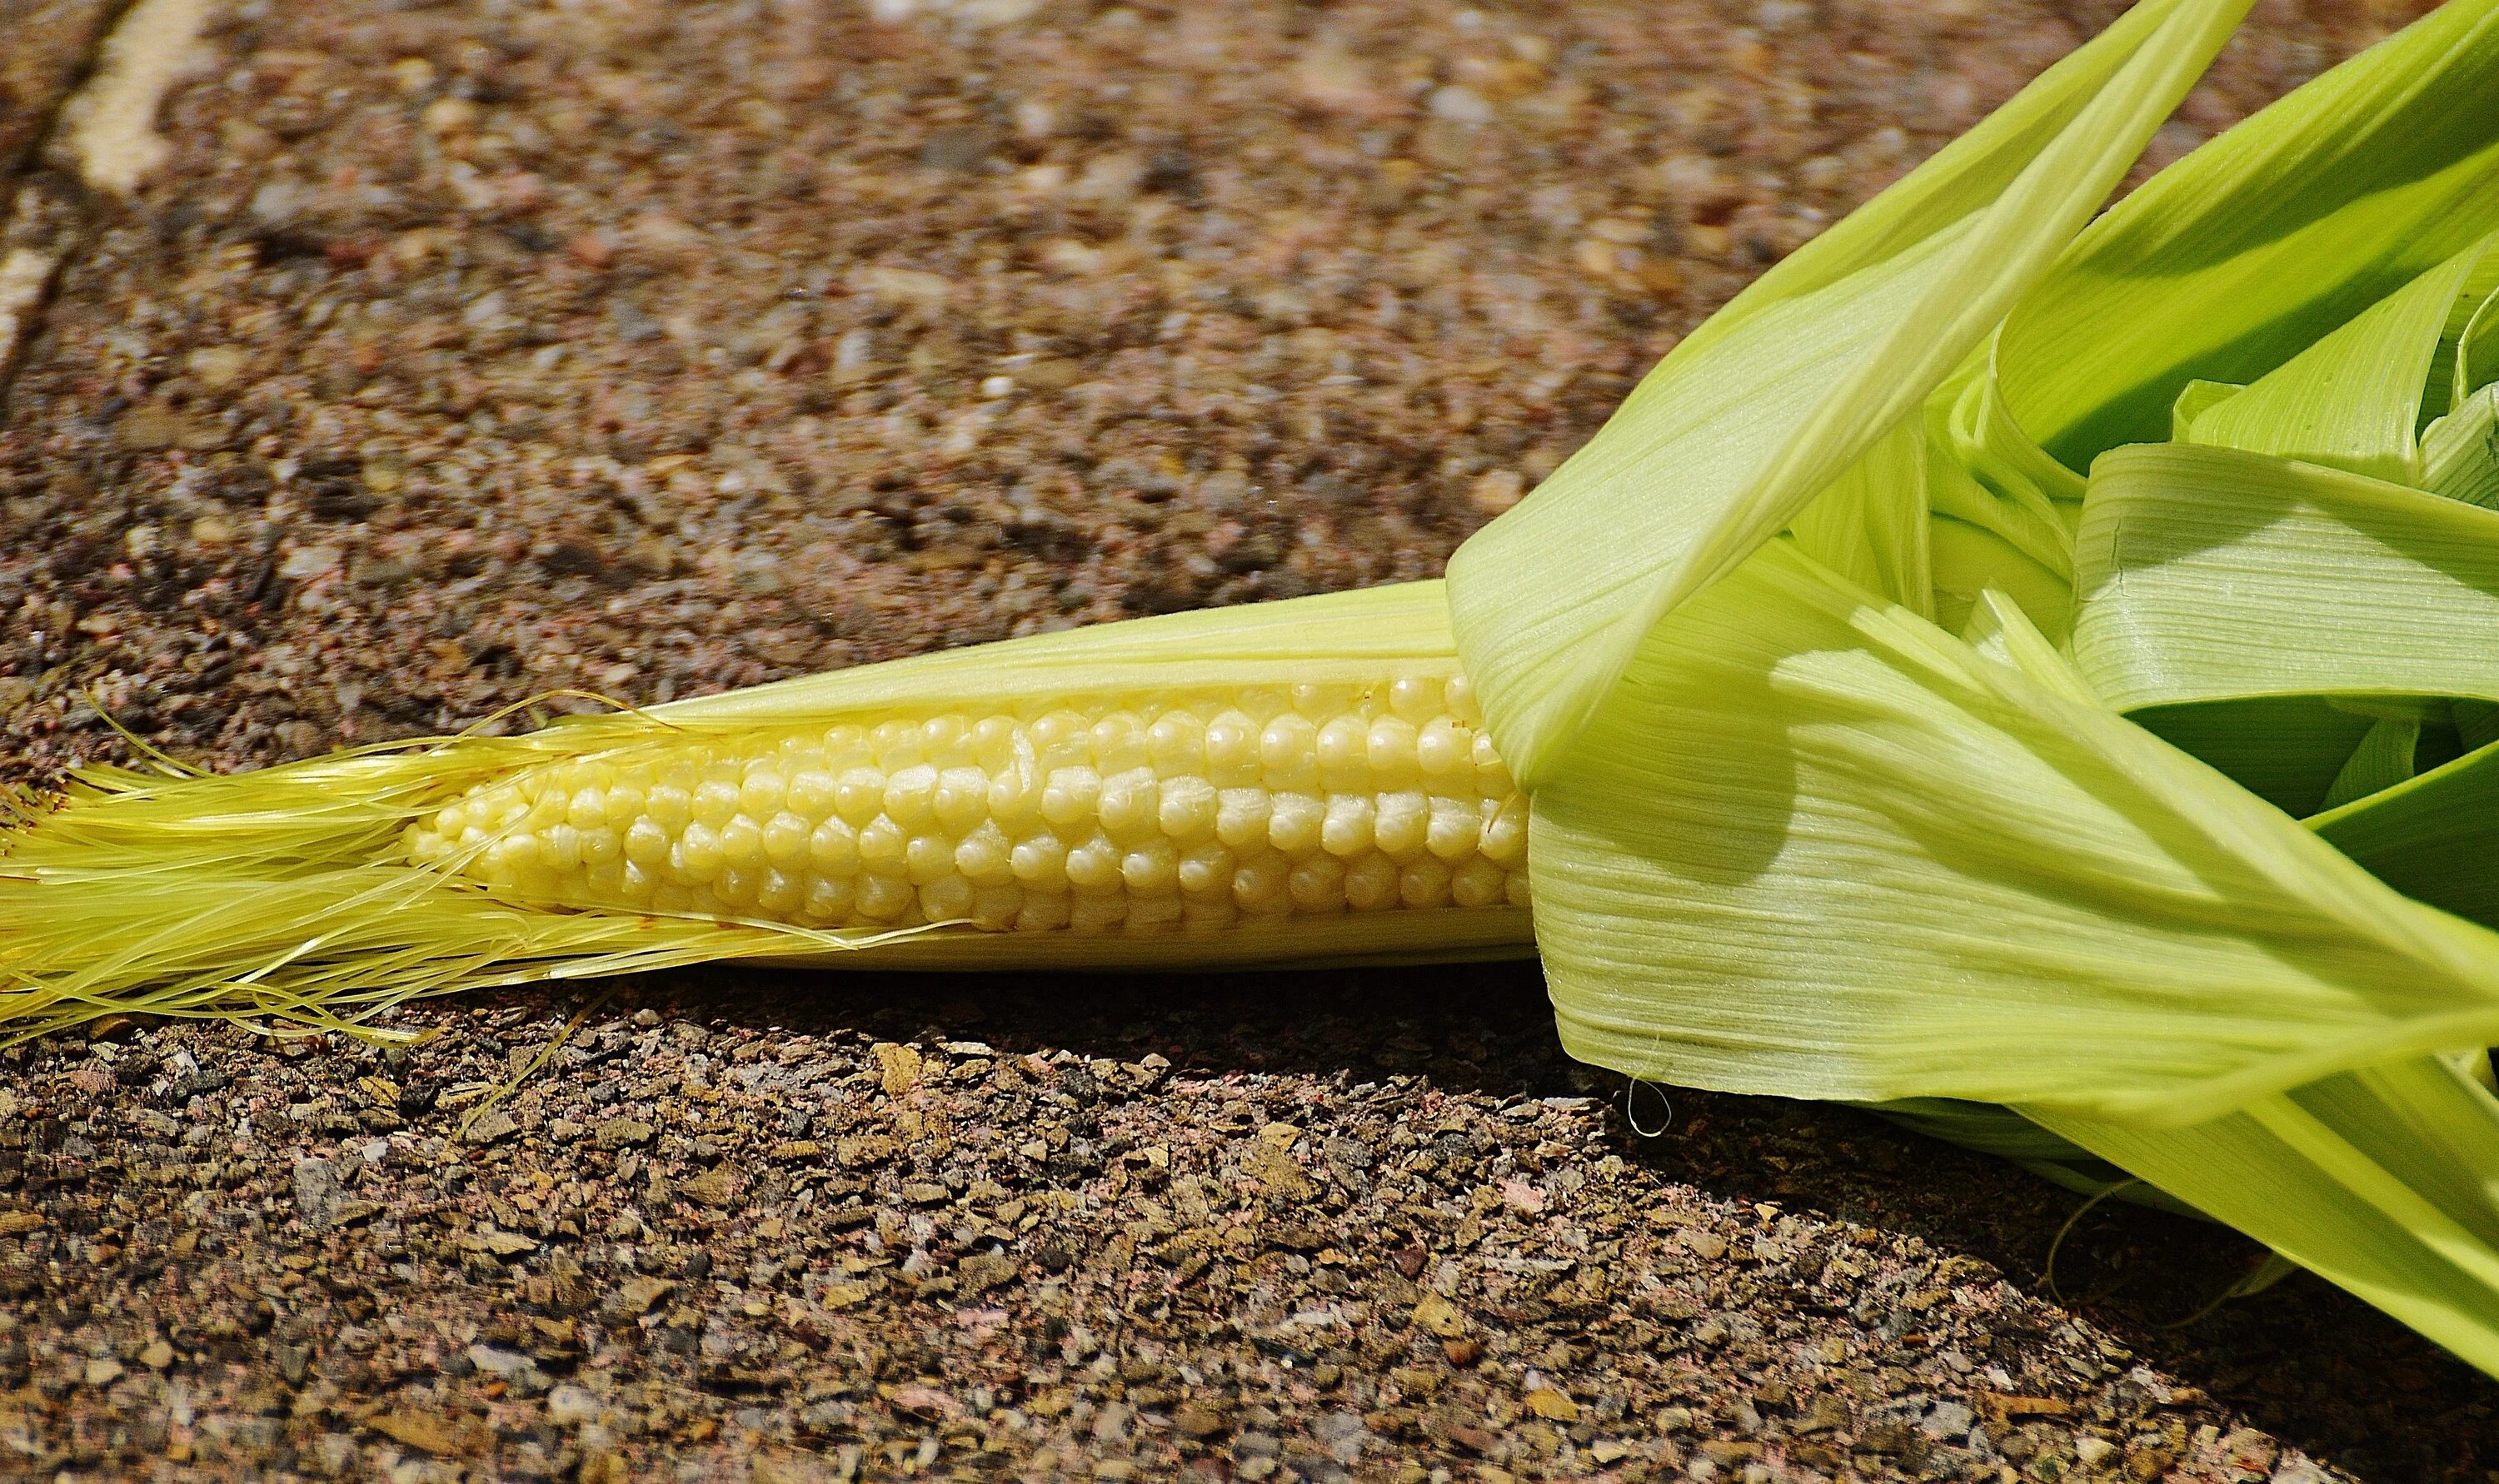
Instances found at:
x=1755 y=416
x=1947 y=877
x=1790 y=837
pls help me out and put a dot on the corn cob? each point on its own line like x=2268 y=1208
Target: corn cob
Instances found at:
x=1302 y=781
x=1145 y=813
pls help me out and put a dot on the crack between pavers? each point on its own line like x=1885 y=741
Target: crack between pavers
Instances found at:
x=14 y=164
x=104 y=124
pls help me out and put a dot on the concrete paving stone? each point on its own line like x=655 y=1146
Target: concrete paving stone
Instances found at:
x=459 y=353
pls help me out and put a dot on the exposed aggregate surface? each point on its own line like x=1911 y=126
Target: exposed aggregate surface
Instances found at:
x=465 y=352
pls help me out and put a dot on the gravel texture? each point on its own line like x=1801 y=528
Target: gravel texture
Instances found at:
x=465 y=352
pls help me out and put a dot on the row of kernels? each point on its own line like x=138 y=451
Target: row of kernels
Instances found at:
x=1177 y=737
x=1131 y=801
x=1405 y=827
x=1139 y=886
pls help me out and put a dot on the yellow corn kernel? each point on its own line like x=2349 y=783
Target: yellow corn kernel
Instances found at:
x=1040 y=859
x=1232 y=750
x=1176 y=742
x=1130 y=805
x=1042 y=910
x=1318 y=884
x=1151 y=869
x=986 y=858
x=1295 y=821
x=785 y=840
x=1073 y=794
x=1424 y=883
x=1453 y=829
x=1206 y=871
x=833 y=847
x=885 y=898
x=1241 y=816
x=1189 y=809
x=1093 y=865
x=1097 y=913
x=1015 y=795
x=859 y=795
x=961 y=799
x=1402 y=824
x=1288 y=752
x=1390 y=745
x=759 y=796
x=741 y=843
x=1370 y=882
x=1343 y=754
x=1417 y=698
x=1347 y=830
x=994 y=909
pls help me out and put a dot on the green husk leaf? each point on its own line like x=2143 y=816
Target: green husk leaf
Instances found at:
x=2234 y=259
x=1982 y=473
x=1331 y=638
x=2195 y=399
x=1819 y=847
x=2000 y=630
x=1985 y=441
x=1970 y=561
x=2476 y=343
x=2468 y=351
x=2371 y=1177
x=2435 y=838
x=2287 y=749
x=2352 y=399
x=1730 y=437
x=2375 y=1179
x=2383 y=760
x=2477 y=723
x=2460 y=451
x=2210 y=573
x=2007 y=1134
x=1871 y=525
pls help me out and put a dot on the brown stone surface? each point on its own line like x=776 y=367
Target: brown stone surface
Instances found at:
x=465 y=352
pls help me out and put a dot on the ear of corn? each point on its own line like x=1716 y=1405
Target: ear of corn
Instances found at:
x=1822 y=803
x=1190 y=810
x=1304 y=782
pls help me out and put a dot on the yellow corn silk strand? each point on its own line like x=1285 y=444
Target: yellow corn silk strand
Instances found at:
x=1303 y=781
